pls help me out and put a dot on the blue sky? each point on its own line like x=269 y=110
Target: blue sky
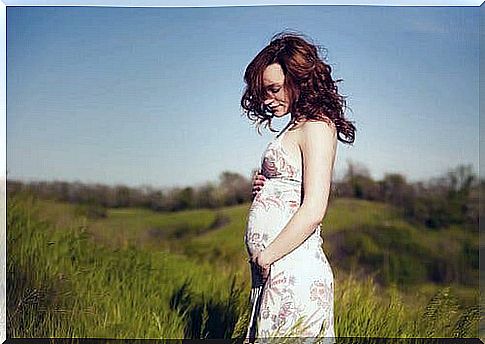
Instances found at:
x=150 y=96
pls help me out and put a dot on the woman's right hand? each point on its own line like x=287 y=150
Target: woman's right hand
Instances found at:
x=258 y=182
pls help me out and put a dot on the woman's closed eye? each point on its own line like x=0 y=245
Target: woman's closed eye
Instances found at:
x=273 y=89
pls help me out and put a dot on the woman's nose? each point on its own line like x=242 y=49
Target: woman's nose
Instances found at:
x=268 y=101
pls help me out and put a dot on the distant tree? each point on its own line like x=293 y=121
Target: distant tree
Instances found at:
x=64 y=191
x=155 y=200
x=461 y=180
x=360 y=183
x=395 y=190
x=185 y=198
x=206 y=196
x=122 y=196
x=235 y=188
x=447 y=199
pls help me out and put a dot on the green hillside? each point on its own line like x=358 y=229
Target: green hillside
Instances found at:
x=143 y=274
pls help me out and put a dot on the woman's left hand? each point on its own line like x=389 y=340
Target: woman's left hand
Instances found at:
x=259 y=260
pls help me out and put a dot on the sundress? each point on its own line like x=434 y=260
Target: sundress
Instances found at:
x=296 y=300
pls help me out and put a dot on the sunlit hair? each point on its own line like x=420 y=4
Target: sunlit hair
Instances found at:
x=312 y=92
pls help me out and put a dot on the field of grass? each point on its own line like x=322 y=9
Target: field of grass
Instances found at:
x=142 y=274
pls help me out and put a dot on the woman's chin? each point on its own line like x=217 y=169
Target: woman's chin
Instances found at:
x=280 y=114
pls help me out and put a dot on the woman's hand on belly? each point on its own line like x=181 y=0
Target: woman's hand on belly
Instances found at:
x=258 y=183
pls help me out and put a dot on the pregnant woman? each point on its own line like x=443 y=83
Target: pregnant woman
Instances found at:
x=292 y=280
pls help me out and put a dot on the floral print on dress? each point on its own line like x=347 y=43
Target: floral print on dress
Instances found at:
x=276 y=163
x=320 y=292
x=279 y=307
x=266 y=202
x=299 y=288
x=257 y=240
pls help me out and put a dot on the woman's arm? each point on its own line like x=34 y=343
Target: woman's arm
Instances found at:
x=318 y=148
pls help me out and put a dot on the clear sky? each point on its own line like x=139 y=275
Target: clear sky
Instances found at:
x=150 y=96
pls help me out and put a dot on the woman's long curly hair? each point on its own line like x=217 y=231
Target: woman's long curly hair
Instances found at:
x=312 y=92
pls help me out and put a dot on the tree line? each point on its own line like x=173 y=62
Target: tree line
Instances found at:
x=439 y=202
x=452 y=198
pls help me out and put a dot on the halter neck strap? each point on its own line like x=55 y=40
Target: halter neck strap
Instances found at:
x=278 y=136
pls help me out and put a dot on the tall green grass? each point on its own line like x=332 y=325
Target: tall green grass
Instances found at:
x=63 y=283
x=363 y=309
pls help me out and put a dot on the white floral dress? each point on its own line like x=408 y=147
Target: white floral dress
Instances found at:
x=297 y=298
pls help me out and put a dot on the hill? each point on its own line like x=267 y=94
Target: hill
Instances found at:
x=142 y=274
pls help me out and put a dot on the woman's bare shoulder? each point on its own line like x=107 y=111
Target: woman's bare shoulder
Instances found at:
x=314 y=130
x=316 y=127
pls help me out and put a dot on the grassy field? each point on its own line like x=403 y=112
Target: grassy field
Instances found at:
x=142 y=274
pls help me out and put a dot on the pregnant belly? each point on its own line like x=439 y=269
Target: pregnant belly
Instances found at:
x=268 y=215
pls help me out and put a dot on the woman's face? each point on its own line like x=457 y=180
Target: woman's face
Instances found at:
x=277 y=99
